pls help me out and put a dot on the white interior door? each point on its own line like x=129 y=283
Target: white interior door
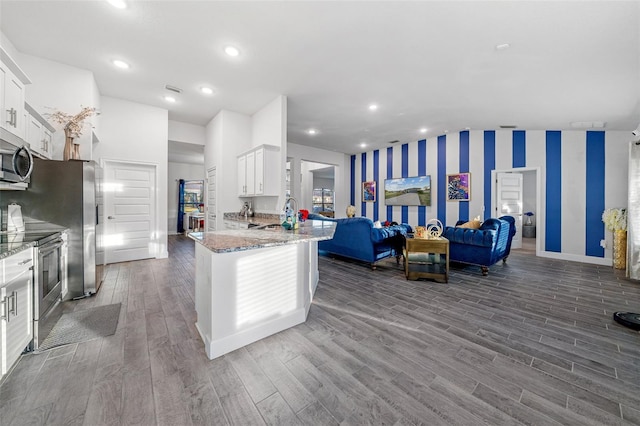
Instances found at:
x=129 y=194
x=510 y=200
x=211 y=199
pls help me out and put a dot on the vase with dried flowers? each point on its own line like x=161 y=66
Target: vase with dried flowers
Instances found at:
x=72 y=126
x=615 y=220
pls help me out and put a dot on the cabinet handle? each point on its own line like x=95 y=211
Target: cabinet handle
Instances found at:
x=24 y=262
x=4 y=316
x=14 y=119
x=10 y=120
x=14 y=308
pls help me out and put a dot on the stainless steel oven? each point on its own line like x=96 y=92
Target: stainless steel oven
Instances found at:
x=48 y=286
x=50 y=275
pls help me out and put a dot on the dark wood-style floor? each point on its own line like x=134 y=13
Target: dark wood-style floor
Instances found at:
x=533 y=343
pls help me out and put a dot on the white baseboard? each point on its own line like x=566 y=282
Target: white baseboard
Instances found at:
x=224 y=345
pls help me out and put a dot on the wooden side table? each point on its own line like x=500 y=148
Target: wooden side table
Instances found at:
x=426 y=258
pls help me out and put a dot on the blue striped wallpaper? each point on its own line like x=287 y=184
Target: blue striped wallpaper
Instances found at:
x=594 y=180
x=553 y=213
x=463 y=207
x=481 y=152
x=441 y=180
x=422 y=171
x=489 y=164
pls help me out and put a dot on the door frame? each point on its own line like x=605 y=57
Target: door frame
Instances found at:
x=540 y=220
x=155 y=241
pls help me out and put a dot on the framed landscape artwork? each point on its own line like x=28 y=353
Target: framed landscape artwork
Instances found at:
x=459 y=187
x=413 y=191
x=369 y=191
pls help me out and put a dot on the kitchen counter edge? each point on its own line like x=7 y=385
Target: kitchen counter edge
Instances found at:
x=229 y=241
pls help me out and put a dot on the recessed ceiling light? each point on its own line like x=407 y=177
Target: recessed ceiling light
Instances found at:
x=231 y=51
x=120 y=4
x=206 y=90
x=423 y=130
x=373 y=107
x=170 y=99
x=503 y=46
x=363 y=145
x=120 y=64
x=312 y=131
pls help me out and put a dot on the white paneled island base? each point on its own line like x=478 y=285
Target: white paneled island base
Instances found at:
x=245 y=295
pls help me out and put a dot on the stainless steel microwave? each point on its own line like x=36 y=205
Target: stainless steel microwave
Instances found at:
x=16 y=163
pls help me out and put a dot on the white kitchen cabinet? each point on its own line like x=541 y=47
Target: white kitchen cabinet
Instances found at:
x=242 y=176
x=267 y=171
x=39 y=133
x=258 y=172
x=246 y=174
x=12 y=82
x=16 y=307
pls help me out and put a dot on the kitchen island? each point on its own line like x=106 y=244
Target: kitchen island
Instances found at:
x=253 y=283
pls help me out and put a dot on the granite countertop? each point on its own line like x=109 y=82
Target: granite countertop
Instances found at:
x=10 y=249
x=248 y=239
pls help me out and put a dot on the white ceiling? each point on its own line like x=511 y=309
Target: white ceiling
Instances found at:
x=430 y=64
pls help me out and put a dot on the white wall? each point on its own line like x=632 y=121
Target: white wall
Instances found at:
x=8 y=46
x=56 y=86
x=178 y=171
x=227 y=135
x=186 y=132
x=269 y=127
x=230 y=134
x=325 y=183
x=298 y=153
x=138 y=133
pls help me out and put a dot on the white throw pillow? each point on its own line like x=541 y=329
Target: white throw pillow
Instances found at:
x=377 y=224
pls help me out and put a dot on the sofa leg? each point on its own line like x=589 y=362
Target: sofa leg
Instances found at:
x=485 y=271
x=397 y=260
x=373 y=267
x=504 y=260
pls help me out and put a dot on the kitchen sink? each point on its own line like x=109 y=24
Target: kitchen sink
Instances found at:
x=270 y=226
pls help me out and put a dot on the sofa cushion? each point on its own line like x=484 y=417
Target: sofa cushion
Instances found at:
x=472 y=224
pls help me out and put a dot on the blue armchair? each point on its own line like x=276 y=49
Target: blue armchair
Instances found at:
x=357 y=238
x=484 y=246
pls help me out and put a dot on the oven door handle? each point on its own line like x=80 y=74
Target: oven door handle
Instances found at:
x=46 y=249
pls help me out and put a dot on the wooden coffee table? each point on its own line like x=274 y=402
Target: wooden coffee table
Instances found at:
x=426 y=258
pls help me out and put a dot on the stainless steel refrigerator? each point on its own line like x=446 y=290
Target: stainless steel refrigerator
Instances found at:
x=68 y=194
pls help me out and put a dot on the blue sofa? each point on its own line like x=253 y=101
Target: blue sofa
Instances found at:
x=357 y=238
x=484 y=246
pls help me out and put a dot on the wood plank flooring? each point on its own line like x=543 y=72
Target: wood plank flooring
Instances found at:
x=533 y=343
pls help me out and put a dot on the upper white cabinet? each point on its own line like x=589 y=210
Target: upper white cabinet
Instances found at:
x=246 y=174
x=39 y=133
x=12 y=82
x=258 y=172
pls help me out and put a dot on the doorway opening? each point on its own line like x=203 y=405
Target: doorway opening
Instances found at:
x=318 y=187
x=525 y=207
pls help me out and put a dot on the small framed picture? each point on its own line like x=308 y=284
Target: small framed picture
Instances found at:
x=459 y=187
x=369 y=191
